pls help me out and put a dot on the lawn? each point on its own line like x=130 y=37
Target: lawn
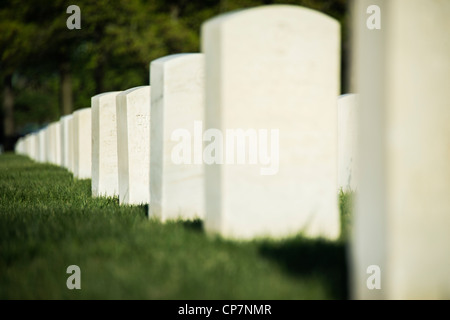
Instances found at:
x=49 y=221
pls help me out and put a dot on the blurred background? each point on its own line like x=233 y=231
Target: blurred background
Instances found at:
x=48 y=70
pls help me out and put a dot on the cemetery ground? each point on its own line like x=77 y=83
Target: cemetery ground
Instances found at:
x=49 y=221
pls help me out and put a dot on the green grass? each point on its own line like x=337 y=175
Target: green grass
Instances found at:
x=49 y=221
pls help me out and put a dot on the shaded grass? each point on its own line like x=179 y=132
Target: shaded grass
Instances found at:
x=49 y=221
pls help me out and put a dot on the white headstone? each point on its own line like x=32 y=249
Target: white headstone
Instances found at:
x=30 y=144
x=48 y=149
x=402 y=215
x=41 y=143
x=35 y=152
x=54 y=140
x=57 y=142
x=133 y=145
x=177 y=104
x=64 y=125
x=24 y=145
x=21 y=146
x=81 y=123
x=347 y=125
x=105 y=180
x=27 y=145
x=273 y=72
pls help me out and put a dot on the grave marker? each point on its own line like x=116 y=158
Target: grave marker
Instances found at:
x=54 y=141
x=177 y=102
x=133 y=145
x=71 y=147
x=81 y=123
x=65 y=153
x=402 y=215
x=41 y=142
x=105 y=180
x=274 y=69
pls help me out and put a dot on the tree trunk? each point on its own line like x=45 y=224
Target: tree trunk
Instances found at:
x=65 y=78
x=8 y=114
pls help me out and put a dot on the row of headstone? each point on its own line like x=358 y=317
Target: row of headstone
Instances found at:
x=243 y=135
x=252 y=136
